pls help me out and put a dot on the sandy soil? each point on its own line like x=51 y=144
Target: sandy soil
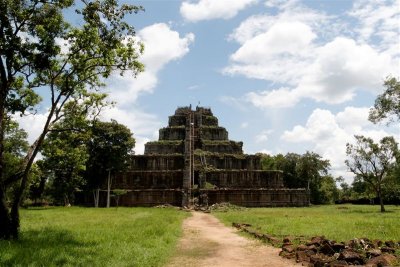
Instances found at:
x=207 y=242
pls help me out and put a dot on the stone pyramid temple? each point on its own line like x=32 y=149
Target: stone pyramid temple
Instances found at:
x=195 y=162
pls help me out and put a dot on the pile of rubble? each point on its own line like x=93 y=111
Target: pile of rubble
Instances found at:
x=319 y=251
x=225 y=206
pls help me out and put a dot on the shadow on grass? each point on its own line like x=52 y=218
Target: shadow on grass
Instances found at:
x=48 y=247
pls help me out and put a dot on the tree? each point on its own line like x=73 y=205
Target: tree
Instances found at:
x=329 y=193
x=40 y=49
x=387 y=105
x=304 y=171
x=371 y=161
x=15 y=147
x=109 y=149
x=312 y=170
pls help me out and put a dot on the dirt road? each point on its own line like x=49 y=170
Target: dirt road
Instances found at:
x=207 y=242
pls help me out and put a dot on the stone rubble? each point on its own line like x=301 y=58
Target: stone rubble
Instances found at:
x=320 y=252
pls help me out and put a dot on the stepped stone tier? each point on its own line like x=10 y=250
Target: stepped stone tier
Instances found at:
x=194 y=161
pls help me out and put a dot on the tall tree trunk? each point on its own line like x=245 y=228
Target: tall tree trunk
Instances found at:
x=5 y=221
x=381 y=199
x=30 y=157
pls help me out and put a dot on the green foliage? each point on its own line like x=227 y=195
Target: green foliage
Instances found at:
x=94 y=237
x=15 y=148
x=41 y=50
x=371 y=161
x=109 y=148
x=335 y=222
x=209 y=120
x=117 y=193
x=304 y=171
x=387 y=105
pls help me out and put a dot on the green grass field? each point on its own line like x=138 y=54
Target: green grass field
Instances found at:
x=94 y=237
x=336 y=222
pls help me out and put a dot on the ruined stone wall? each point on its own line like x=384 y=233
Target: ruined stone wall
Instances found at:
x=230 y=161
x=161 y=179
x=259 y=197
x=157 y=162
x=244 y=179
x=225 y=147
x=172 y=133
x=164 y=147
x=213 y=133
x=149 y=198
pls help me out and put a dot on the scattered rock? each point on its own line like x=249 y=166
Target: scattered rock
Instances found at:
x=286 y=240
x=351 y=256
x=382 y=260
x=301 y=256
x=320 y=251
x=390 y=244
x=337 y=247
x=327 y=249
x=317 y=240
x=287 y=255
x=373 y=253
x=288 y=248
x=337 y=263
x=302 y=247
x=313 y=248
x=319 y=260
x=388 y=250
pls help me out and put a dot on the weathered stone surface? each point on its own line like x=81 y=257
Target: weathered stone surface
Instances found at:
x=390 y=244
x=287 y=240
x=373 y=253
x=312 y=247
x=388 y=250
x=287 y=255
x=352 y=256
x=302 y=247
x=324 y=252
x=382 y=260
x=337 y=263
x=326 y=249
x=288 y=248
x=319 y=260
x=193 y=139
x=317 y=240
x=301 y=256
x=337 y=247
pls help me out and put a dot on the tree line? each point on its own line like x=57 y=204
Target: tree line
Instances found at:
x=375 y=165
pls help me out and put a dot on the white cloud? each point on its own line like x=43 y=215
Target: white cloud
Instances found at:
x=162 y=45
x=263 y=136
x=213 y=9
x=244 y=125
x=32 y=124
x=280 y=98
x=327 y=134
x=291 y=49
x=378 y=19
x=341 y=67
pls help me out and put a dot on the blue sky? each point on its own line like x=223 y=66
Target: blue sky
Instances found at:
x=281 y=76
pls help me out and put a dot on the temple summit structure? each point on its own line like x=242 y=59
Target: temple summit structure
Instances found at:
x=195 y=162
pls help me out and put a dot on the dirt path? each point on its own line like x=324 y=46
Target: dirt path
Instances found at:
x=207 y=242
